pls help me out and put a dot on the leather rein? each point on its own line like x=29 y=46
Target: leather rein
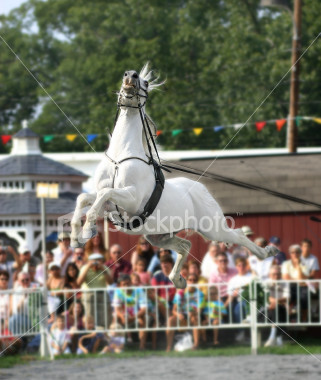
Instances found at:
x=153 y=200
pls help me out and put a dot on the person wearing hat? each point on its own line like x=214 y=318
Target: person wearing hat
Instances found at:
x=63 y=253
x=276 y=242
x=9 y=266
x=26 y=257
x=95 y=275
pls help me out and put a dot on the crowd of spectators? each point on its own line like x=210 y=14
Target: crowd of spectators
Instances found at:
x=78 y=300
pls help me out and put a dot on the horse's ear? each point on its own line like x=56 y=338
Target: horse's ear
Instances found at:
x=147 y=74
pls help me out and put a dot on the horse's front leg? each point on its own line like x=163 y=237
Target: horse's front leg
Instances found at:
x=125 y=198
x=83 y=200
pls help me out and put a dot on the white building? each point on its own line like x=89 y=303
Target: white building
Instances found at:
x=19 y=207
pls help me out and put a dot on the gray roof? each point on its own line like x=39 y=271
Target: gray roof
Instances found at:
x=36 y=164
x=297 y=175
x=27 y=203
x=25 y=132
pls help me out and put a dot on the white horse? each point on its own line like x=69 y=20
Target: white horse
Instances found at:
x=124 y=181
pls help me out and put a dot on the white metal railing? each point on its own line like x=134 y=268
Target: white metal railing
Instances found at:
x=149 y=308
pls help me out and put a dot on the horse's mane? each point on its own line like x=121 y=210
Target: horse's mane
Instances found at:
x=147 y=74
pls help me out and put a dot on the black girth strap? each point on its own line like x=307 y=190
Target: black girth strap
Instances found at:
x=152 y=202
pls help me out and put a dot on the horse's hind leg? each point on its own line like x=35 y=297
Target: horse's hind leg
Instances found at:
x=181 y=246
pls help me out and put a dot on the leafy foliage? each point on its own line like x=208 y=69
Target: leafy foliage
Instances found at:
x=221 y=60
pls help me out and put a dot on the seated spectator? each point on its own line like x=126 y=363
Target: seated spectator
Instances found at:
x=78 y=257
x=281 y=256
x=277 y=306
x=96 y=245
x=222 y=275
x=4 y=297
x=74 y=322
x=9 y=266
x=259 y=267
x=187 y=310
x=95 y=275
x=224 y=248
x=71 y=276
x=129 y=306
x=140 y=269
x=194 y=268
x=19 y=322
x=135 y=279
x=154 y=264
x=49 y=258
x=161 y=278
x=144 y=249
x=59 y=337
x=117 y=264
x=309 y=260
x=116 y=340
x=89 y=343
x=235 y=300
x=208 y=265
x=55 y=280
x=63 y=252
x=214 y=312
x=295 y=269
x=184 y=270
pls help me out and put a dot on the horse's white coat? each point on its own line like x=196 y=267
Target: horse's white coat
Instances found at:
x=134 y=183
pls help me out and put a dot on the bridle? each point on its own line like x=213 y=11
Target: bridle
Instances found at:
x=159 y=176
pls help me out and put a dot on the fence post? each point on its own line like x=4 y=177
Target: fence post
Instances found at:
x=253 y=308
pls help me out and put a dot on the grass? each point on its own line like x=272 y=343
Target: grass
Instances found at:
x=289 y=348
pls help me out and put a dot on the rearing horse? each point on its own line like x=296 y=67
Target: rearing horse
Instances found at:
x=125 y=179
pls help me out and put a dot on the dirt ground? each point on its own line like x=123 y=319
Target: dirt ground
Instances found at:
x=303 y=367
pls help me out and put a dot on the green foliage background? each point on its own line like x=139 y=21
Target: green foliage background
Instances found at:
x=220 y=59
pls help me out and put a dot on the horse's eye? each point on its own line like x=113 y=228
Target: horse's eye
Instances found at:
x=125 y=75
x=135 y=75
x=146 y=83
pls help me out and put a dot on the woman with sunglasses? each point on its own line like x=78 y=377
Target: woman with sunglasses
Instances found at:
x=145 y=250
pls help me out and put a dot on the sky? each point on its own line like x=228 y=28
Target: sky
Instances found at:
x=7 y=5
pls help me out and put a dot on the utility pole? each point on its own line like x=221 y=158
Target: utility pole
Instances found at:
x=292 y=133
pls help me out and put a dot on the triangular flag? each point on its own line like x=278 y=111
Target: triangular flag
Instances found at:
x=176 y=132
x=197 y=131
x=159 y=133
x=71 y=137
x=260 y=125
x=218 y=128
x=47 y=138
x=317 y=120
x=279 y=124
x=90 y=138
x=5 y=139
x=237 y=126
x=297 y=120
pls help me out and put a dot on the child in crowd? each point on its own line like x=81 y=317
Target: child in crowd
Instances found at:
x=116 y=340
x=214 y=312
x=140 y=269
x=60 y=338
x=135 y=279
x=89 y=343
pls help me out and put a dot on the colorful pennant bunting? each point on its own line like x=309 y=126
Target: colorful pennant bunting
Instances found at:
x=279 y=124
x=197 y=131
x=260 y=125
x=176 y=132
x=298 y=120
x=317 y=120
x=158 y=133
x=91 y=137
x=5 y=139
x=71 y=138
x=218 y=128
x=48 y=138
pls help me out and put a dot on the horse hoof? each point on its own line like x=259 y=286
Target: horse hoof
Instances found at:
x=76 y=244
x=179 y=282
x=271 y=250
x=88 y=233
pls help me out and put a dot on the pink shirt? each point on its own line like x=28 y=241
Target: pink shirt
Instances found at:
x=144 y=277
x=222 y=278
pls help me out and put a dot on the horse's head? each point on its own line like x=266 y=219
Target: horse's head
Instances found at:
x=135 y=87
